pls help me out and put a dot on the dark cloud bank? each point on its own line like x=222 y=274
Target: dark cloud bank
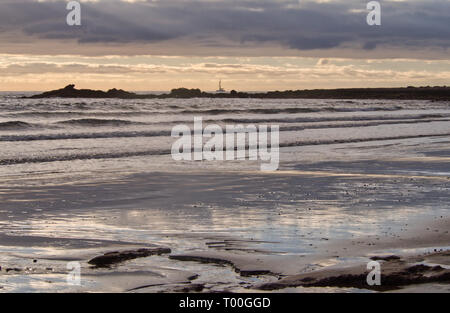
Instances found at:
x=408 y=25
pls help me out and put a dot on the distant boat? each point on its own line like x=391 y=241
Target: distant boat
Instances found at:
x=220 y=90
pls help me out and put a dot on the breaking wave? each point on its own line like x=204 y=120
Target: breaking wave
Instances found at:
x=98 y=122
x=11 y=125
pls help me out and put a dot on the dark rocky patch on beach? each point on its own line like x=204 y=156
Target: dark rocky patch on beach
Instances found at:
x=190 y=288
x=218 y=260
x=116 y=257
x=385 y=258
x=395 y=273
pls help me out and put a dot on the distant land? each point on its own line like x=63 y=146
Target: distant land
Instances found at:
x=409 y=93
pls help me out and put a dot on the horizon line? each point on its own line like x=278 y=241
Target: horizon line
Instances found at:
x=255 y=91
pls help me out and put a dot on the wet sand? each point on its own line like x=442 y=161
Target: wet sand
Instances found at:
x=324 y=214
x=243 y=231
x=418 y=257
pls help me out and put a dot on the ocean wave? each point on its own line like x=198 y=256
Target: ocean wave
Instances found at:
x=251 y=111
x=162 y=133
x=73 y=157
x=291 y=110
x=305 y=119
x=11 y=125
x=126 y=154
x=356 y=140
x=330 y=119
x=93 y=114
x=98 y=122
x=178 y=110
x=38 y=137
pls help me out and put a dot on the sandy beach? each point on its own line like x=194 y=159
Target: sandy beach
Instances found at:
x=91 y=182
x=229 y=232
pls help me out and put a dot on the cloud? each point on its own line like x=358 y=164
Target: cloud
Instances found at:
x=40 y=72
x=300 y=68
x=206 y=24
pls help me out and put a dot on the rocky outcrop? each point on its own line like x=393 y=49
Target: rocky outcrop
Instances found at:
x=395 y=273
x=116 y=257
x=217 y=260
x=186 y=93
x=410 y=93
x=71 y=92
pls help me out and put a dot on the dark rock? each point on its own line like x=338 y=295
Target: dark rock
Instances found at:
x=191 y=288
x=193 y=277
x=185 y=93
x=15 y=269
x=420 y=93
x=71 y=92
x=111 y=258
x=248 y=273
x=385 y=258
x=203 y=259
x=391 y=279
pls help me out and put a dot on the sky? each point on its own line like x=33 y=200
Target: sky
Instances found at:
x=251 y=45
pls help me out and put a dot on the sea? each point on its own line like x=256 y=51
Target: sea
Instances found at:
x=79 y=173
